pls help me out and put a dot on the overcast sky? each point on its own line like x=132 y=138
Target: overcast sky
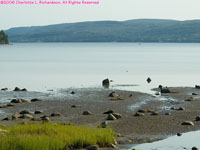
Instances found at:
x=32 y=15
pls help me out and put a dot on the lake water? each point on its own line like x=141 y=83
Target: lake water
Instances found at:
x=44 y=66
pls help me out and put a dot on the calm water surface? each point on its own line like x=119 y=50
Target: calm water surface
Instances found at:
x=43 y=66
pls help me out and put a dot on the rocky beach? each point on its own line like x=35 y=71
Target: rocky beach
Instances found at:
x=135 y=117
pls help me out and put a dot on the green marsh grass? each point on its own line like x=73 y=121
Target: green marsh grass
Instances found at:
x=48 y=136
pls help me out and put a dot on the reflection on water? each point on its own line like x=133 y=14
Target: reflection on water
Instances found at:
x=186 y=141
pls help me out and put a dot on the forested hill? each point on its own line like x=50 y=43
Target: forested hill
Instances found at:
x=140 y=30
x=3 y=38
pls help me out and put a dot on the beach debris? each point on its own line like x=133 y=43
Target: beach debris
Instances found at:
x=148 y=80
x=189 y=123
x=4 y=89
x=36 y=100
x=38 y=112
x=56 y=114
x=111 y=117
x=19 y=101
x=138 y=114
x=92 y=147
x=104 y=124
x=117 y=115
x=194 y=148
x=190 y=99
x=73 y=92
x=164 y=89
x=87 y=113
x=25 y=112
x=197 y=86
x=108 y=112
x=197 y=118
x=179 y=134
x=106 y=83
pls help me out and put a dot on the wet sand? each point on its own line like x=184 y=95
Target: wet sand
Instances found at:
x=131 y=129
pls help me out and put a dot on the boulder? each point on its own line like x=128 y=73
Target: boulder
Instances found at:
x=111 y=117
x=56 y=114
x=117 y=115
x=189 y=123
x=106 y=83
x=108 y=112
x=36 y=100
x=148 y=80
x=87 y=113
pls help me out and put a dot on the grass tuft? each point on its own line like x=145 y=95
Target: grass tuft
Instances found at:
x=48 y=136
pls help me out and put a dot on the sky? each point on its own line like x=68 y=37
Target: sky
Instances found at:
x=37 y=15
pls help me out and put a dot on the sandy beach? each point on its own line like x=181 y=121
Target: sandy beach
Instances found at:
x=160 y=115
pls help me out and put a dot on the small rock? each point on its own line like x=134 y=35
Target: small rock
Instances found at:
x=111 y=117
x=3 y=106
x=190 y=123
x=92 y=147
x=17 y=89
x=73 y=92
x=179 y=134
x=106 y=83
x=155 y=113
x=130 y=95
x=4 y=89
x=181 y=108
x=116 y=115
x=87 y=113
x=194 y=148
x=197 y=118
x=55 y=114
x=36 y=100
x=38 y=112
x=45 y=118
x=108 y=112
x=26 y=116
x=190 y=99
x=75 y=106
x=104 y=124
x=167 y=114
x=138 y=114
x=148 y=79
x=25 y=112
x=10 y=105
x=194 y=94
x=24 y=89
